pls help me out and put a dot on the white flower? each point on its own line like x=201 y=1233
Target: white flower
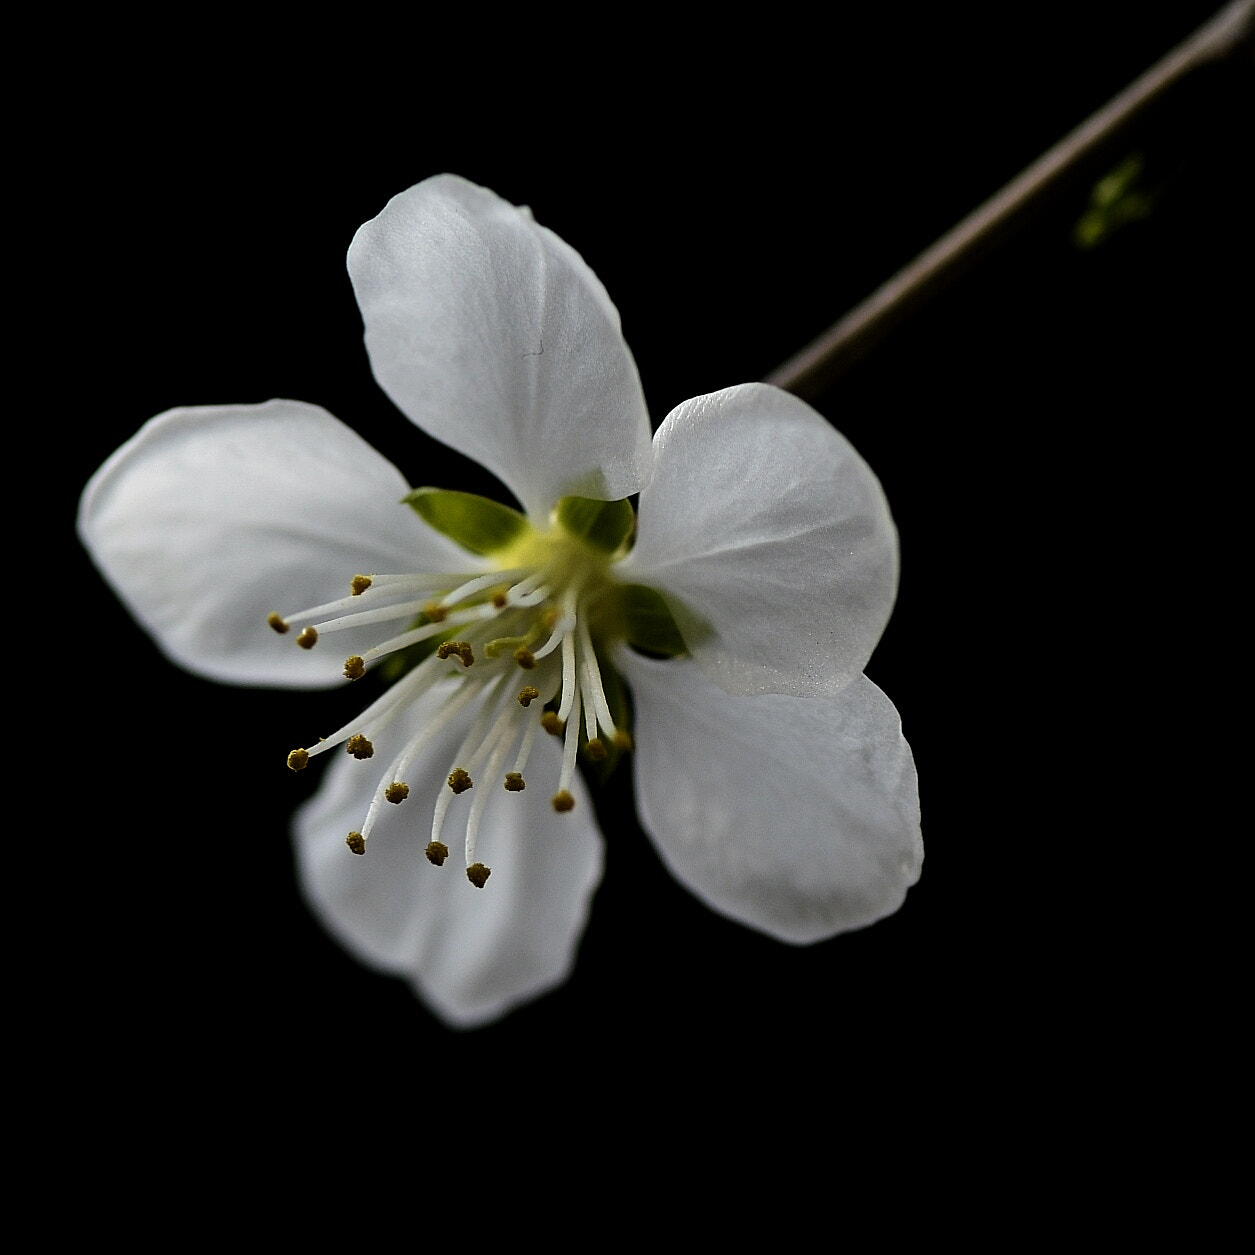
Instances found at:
x=770 y=772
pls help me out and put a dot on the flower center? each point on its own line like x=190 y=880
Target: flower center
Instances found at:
x=520 y=641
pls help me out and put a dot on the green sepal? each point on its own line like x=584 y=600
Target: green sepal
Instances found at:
x=645 y=621
x=601 y=525
x=478 y=524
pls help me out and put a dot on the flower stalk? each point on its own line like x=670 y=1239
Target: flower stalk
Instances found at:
x=817 y=366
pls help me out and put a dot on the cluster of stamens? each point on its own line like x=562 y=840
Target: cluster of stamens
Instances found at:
x=518 y=644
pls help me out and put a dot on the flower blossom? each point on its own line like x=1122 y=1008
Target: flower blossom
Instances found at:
x=452 y=840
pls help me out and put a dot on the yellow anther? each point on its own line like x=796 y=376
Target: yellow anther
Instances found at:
x=528 y=694
x=514 y=782
x=355 y=843
x=525 y=658
x=354 y=667
x=279 y=623
x=359 y=584
x=359 y=747
x=622 y=740
x=478 y=874
x=563 y=801
x=298 y=760
x=435 y=612
x=307 y=638
x=500 y=600
x=552 y=724
x=397 y=791
x=596 y=750
x=436 y=853
x=456 y=649
x=460 y=780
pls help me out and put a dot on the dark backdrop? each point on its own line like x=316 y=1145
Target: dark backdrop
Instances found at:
x=1037 y=429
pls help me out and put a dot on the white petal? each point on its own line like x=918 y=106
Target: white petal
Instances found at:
x=771 y=540
x=472 y=954
x=495 y=337
x=209 y=519
x=796 y=816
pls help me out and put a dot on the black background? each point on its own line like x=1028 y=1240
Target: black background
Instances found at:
x=1046 y=432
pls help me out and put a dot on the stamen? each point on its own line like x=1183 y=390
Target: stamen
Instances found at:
x=383 y=585
x=528 y=587
x=502 y=736
x=591 y=686
x=451 y=707
x=570 y=690
x=458 y=649
x=590 y=727
x=477 y=585
x=558 y=628
x=422 y=633
x=396 y=792
x=533 y=598
x=410 y=580
x=525 y=749
x=466 y=753
x=506 y=618
x=380 y=713
x=570 y=746
x=363 y=618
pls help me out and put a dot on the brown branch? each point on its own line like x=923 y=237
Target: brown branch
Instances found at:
x=818 y=365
